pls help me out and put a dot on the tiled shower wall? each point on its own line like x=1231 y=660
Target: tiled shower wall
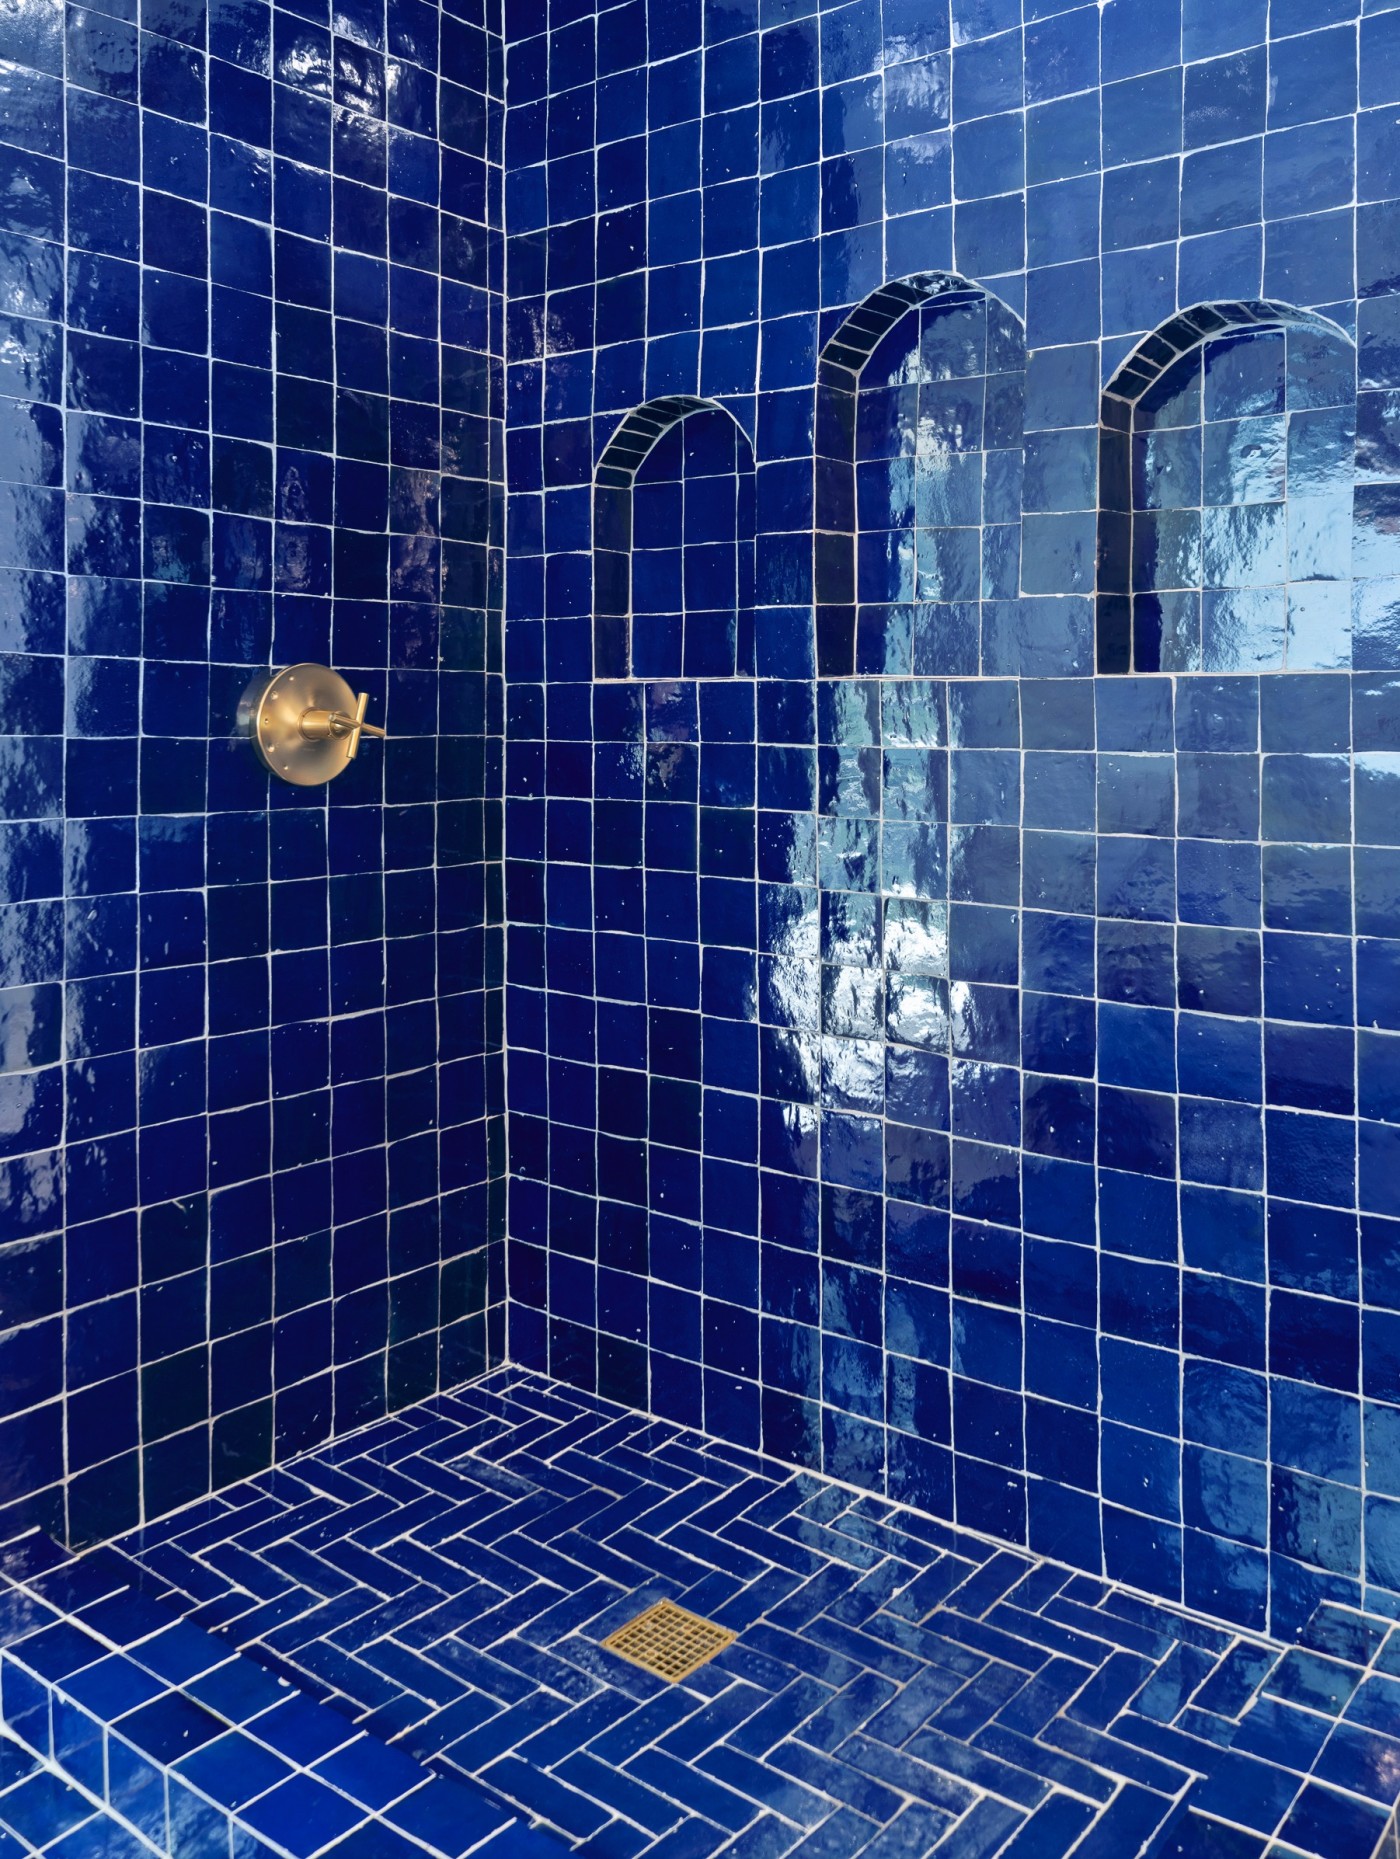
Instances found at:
x=250 y=273
x=957 y=1050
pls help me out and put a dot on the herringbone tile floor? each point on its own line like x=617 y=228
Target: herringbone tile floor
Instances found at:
x=897 y=1687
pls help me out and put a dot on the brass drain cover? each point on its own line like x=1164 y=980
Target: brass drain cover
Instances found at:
x=668 y=1641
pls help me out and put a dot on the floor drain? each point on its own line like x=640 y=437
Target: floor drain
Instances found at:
x=668 y=1641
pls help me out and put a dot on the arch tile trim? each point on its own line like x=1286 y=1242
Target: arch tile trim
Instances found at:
x=854 y=341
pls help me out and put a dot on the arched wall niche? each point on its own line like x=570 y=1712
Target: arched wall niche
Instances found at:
x=1228 y=495
x=673 y=544
x=917 y=490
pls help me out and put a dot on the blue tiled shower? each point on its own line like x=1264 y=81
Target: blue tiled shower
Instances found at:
x=874 y=936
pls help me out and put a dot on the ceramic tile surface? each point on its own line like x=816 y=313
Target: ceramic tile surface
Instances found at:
x=250 y=283
x=40 y=1812
x=896 y=807
x=130 y=1731
x=953 y=986
x=897 y=1686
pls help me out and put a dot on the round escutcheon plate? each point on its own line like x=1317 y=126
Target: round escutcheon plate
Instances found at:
x=271 y=715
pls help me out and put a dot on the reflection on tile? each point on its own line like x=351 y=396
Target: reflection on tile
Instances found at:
x=247 y=315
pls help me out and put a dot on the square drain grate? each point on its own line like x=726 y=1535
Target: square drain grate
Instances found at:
x=668 y=1641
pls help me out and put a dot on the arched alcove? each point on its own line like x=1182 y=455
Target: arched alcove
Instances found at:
x=673 y=527
x=1227 y=473
x=920 y=402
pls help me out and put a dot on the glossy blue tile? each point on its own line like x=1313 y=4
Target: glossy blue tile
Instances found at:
x=137 y=102
x=321 y=206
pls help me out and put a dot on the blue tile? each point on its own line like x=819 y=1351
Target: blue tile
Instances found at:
x=313 y=183
x=301 y=1816
x=42 y=1808
x=850 y=1623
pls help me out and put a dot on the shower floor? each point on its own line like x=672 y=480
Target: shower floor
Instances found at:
x=897 y=1687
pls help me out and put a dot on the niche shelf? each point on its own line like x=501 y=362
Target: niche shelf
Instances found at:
x=918 y=480
x=1229 y=497
x=673 y=544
